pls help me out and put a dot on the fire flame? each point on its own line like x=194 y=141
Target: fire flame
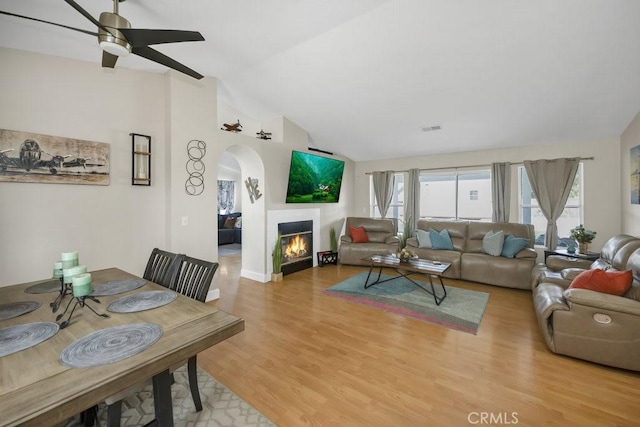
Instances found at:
x=296 y=247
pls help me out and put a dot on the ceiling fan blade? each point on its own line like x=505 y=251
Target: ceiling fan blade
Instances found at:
x=160 y=58
x=91 y=33
x=142 y=37
x=108 y=60
x=86 y=14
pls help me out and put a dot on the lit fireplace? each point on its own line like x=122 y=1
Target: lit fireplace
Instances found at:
x=296 y=248
x=297 y=245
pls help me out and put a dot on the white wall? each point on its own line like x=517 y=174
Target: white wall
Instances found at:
x=115 y=225
x=602 y=182
x=118 y=225
x=630 y=213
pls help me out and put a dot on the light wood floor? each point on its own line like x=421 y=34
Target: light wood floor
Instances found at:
x=310 y=359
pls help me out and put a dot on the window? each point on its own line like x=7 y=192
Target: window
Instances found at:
x=444 y=196
x=530 y=213
x=456 y=195
x=396 y=209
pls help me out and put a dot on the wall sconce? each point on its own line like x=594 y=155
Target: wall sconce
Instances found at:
x=252 y=188
x=140 y=159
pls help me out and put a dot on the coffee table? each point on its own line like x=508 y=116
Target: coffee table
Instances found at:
x=427 y=268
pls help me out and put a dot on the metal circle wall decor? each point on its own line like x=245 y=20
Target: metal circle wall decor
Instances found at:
x=196 y=150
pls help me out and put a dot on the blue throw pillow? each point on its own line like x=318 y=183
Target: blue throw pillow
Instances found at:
x=424 y=241
x=513 y=245
x=440 y=240
x=492 y=243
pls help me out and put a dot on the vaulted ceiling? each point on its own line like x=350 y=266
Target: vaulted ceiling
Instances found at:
x=366 y=77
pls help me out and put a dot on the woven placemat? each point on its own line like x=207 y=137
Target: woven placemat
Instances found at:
x=142 y=301
x=46 y=287
x=18 y=308
x=110 y=345
x=117 y=287
x=20 y=337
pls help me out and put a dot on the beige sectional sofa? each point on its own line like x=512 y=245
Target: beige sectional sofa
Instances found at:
x=468 y=260
x=586 y=324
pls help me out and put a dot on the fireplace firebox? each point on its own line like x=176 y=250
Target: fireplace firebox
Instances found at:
x=297 y=245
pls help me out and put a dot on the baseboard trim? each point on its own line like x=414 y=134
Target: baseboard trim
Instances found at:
x=262 y=278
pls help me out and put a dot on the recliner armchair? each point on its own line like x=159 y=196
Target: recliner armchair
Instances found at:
x=381 y=236
x=590 y=325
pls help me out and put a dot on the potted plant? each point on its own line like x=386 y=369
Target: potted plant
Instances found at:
x=276 y=258
x=584 y=238
x=333 y=240
x=406 y=232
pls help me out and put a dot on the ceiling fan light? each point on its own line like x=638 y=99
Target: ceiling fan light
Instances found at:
x=114 y=48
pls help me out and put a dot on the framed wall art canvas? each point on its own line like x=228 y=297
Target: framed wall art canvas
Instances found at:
x=30 y=157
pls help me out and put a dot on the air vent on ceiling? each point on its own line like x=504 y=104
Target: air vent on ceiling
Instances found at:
x=430 y=128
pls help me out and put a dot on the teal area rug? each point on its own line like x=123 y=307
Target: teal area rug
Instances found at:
x=461 y=310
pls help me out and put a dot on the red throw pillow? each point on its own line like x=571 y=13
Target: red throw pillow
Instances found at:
x=607 y=282
x=358 y=235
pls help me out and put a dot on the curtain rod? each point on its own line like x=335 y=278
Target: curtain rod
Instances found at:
x=471 y=166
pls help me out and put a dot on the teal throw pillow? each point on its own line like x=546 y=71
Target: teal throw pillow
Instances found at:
x=512 y=245
x=492 y=243
x=424 y=241
x=440 y=240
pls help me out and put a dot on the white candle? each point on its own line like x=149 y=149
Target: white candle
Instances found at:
x=81 y=284
x=68 y=256
x=73 y=271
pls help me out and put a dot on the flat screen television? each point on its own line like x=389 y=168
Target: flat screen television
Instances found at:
x=314 y=179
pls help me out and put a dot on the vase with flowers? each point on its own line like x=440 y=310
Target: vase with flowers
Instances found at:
x=584 y=238
x=405 y=255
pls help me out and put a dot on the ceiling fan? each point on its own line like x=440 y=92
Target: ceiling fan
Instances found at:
x=117 y=38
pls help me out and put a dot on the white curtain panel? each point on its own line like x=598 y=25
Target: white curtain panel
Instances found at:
x=551 y=181
x=501 y=191
x=412 y=209
x=383 y=190
x=226 y=196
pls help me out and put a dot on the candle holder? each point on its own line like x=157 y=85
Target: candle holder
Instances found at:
x=82 y=302
x=140 y=159
x=64 y=291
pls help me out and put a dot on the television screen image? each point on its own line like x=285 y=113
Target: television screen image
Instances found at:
x=314 y=179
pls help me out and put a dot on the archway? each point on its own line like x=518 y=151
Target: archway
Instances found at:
x=253 y=211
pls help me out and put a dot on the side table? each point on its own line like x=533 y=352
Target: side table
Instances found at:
x=327 y=257
x=589 y=256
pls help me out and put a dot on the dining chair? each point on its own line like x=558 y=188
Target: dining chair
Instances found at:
x=190 y=277
x=161 y=267
x=193 y=279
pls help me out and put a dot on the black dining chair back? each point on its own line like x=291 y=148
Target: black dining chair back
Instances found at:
x=193 y=278
x=185 y=275
x=162 y=266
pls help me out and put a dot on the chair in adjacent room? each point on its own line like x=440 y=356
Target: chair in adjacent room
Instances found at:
x=190 y=277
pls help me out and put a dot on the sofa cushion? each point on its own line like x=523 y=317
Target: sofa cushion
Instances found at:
x=512 y=245
x=607 y=282
x=492 y=243
x=358 y=235
x=571 y=273
x=424 y=241
x=440 y=240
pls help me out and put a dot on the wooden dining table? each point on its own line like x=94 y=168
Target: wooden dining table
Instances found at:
x=36 y=389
